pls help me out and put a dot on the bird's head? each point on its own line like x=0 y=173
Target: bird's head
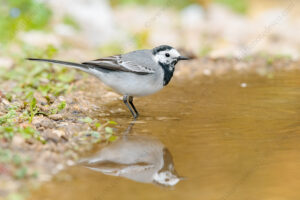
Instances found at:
x=166 y=178
x=167 y=55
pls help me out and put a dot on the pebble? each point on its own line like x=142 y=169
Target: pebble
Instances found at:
x=50 y=135
x=59 y=167
x=70 y=162
x=17 y=140
x=56 y=116
x=5 y=102
x=207 y=72
x=44 y=177
x=44 y=122
x=59 y=133
x=243 y=85
x=40 y=99
x=6 y=62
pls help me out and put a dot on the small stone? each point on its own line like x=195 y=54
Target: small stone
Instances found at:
x=40 y=39
x=61 y=98
x=40 y=99
x=60 y=167
x=30 y=141
x=70 y=163
x=44 y=177
x=6 y=62
x=56 y=117
x=5 y=102
x=207 y=72
x=59 y=133
x=50 y=135
x=111 y=95
x=243 y=85
x=17 y=140
x=25 y=125
x=41 y=121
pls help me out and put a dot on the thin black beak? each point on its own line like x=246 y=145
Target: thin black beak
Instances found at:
x=183 y=58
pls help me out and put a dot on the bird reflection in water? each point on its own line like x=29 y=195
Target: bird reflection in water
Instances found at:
x=140 y=158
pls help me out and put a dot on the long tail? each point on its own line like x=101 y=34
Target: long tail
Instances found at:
x=79 y=66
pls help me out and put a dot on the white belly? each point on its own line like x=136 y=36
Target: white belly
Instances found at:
x=131 y=84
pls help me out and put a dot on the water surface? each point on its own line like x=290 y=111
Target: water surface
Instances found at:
x=228 y=142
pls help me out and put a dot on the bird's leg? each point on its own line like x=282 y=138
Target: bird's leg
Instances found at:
x=128 y=130
x=130 y=99
x=125 y=100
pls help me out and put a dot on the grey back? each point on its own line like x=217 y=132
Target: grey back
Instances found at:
x=141 y=57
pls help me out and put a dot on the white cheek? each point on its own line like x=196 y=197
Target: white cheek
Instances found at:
x=159 y=58
x=174 y=53
x=162 y=59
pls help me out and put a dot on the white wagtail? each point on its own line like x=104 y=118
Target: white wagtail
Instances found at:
x=136 y=157
x=134 y=74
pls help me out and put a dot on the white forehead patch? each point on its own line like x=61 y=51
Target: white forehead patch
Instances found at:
x=174 y=53
x=161 y=56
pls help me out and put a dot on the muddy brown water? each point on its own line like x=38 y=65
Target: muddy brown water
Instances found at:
x=227 y=141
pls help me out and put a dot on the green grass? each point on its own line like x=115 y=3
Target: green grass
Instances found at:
x=99 y=130
x=205 y=50
x=239 y=6
x=17 y=164
x=71 y=22
x=168 y=3
x=22 y=106
x=31 y=78
x=21 y=15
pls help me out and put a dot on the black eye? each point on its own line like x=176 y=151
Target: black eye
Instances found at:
x=167 y=55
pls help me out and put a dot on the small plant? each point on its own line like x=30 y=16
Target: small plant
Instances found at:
x=69 y=21
x=8 y=117
x=205 y=50
x=29 y=81
x=33 y=109
x=86 y=120
x=18 y=15
x=17 y=163
x=59 y=108
x=173 y=3
x=239 y=6
x=100 y=131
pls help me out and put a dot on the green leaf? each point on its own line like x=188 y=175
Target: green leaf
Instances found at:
x=112 y=122
x=17 y=160
x=61 y=106
x=33 y=104
x=95 y=134
x=21 y=173
x=33 y=109
x=112 y=138
x=86 y=120
x=97 y=125
x=109 y=130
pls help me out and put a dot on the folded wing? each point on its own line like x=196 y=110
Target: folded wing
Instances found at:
x=115 y=63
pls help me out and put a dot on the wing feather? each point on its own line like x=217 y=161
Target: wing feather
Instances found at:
x=115 y=63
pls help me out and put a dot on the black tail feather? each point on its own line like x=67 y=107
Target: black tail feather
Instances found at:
x=71 y=64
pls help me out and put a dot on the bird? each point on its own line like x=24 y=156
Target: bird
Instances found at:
x=139 y=158
x=133 y=74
